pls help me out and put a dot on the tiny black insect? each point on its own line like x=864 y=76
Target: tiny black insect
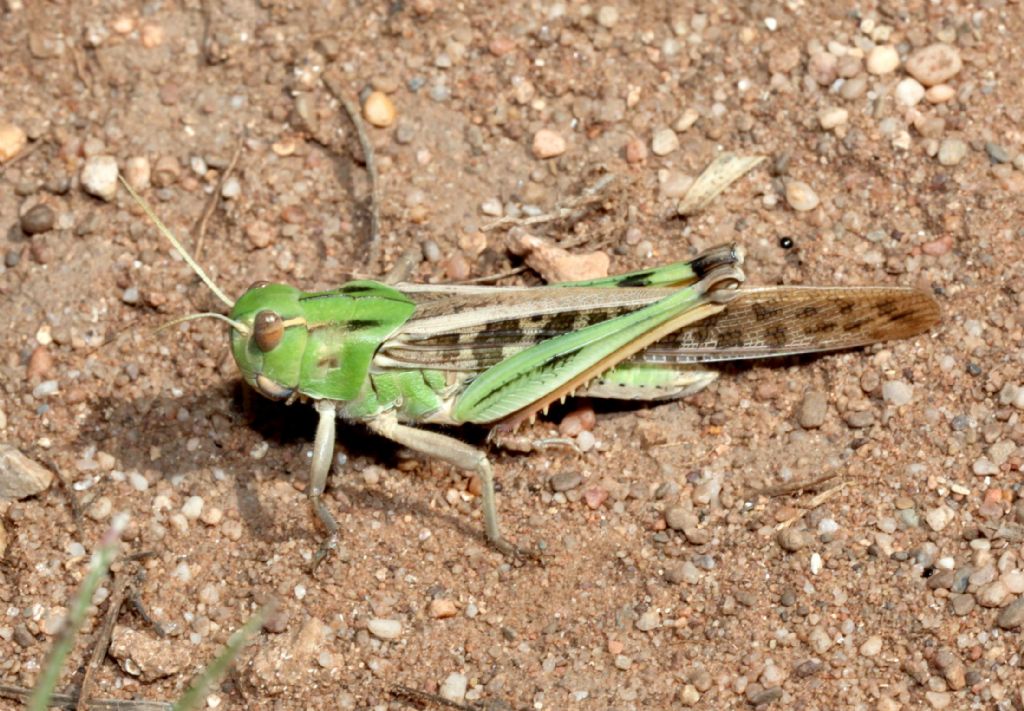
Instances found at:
x=786 y=242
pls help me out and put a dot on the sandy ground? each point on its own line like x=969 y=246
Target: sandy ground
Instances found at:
x=672 y=577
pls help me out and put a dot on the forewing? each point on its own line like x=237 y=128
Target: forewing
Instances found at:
x=471 y=329
x=765 y=322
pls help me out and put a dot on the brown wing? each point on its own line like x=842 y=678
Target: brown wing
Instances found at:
x=764 y=322
x=471 y=329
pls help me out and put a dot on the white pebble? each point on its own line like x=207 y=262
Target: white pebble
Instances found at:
x=897 y=392
x=137 y=173
x=232 y=188
x=909 y=92
x=816 y=563
x=664 y=141
x=198 y=165
x=607 y=16
x=883 y=59
x=384 y=629
x=585 y=441
x=871 y=647
x=833 y=117
x=12 y=140
x=934 y=64
x=45 y=389
x=939 y=94
x=952 y=151
x=827 y=526
x=939 y=517
x=984 y=467
x=801 y=196
x=99 y=176
x=454 y=687
x=548 y=144
x=192 y=507
x=492 y=207
x=137 y=481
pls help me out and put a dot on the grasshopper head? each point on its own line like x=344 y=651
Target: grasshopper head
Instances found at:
x=268 y=350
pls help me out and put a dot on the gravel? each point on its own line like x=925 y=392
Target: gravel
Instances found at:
x=99 y=176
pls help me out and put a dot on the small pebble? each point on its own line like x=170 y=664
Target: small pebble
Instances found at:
x=649 y=621
x=37 y=220
x=607 y=16
x=800 y=196
x=816 y=563
x=1012 y=616
x=791 y=539
x=137 y=481
x=131 y=296
x=674 y=184
x=812 y=410
x=166 y=171
x=833 y=117
x=679 y=519
x=982 y=466
x=454 y=687
x=689 y=695
x=686 y=120
x=12 y=140
x=685 y=572
x=99 y=176
x=384 y=629
x=897 y=393
x=995 y=594
x=996 y=153
x=938 y=518
x=137 y=173
x=577 y=421
x=934 y=64
x=939 y=94
x=586 y=441
x=938 y=699
x=636 y=151
x=442 y=609
x=45 y=389
x=491 y=207
x=882 y=59
x=100 y=509
x=548 y=144
x=871 y=646
x=39 y=363
x=231 y=189
x=565 y=481
x=952 y=151
x=379 y=109
x=909 y=92
x=260 y=234
x=192 y=507
x=664 y=141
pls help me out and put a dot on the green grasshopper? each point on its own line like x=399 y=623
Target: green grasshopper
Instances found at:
x=394 y=357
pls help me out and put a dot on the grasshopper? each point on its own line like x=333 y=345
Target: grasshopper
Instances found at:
x=396 y=357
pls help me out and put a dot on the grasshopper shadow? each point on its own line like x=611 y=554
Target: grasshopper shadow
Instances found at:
x=232 y=423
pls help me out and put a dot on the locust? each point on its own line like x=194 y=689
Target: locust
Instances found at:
x=410 y=361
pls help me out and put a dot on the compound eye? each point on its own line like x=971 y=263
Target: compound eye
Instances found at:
x=267 y=330
x=258 y=284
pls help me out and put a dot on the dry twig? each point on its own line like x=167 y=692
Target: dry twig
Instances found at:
x=211 y=204
x=373 y=248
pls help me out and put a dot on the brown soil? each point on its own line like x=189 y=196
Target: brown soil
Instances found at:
x=626 y=612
